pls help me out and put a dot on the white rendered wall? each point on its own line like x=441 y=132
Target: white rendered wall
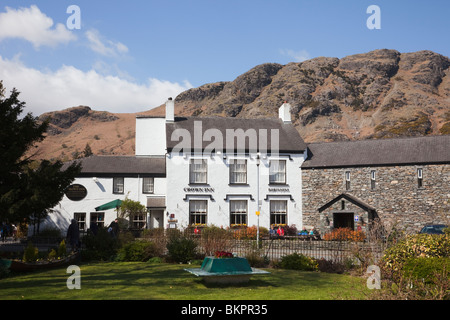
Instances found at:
x=150 y=136
x=98 y=193
x=218 y=179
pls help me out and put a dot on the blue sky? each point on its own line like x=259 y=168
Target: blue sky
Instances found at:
x=129 y=56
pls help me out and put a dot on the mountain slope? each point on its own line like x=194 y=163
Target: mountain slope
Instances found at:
x=379 y=94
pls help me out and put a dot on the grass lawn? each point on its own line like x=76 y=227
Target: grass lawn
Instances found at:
x=137 y=281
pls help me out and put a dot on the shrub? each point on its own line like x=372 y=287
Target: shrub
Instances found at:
x=426 y=269
x=31 y=253
x=62 y=250
x=344 y=234
x=140 y=250
x=420 y=245
x=297 y=261
x=256 y=260
x=100 y=247
x=214 y=239
x=52 y=255
x=330 y=266
x=249 y=233
x=181 y=248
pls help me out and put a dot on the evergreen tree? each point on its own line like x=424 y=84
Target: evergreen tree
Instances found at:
x=26 y=190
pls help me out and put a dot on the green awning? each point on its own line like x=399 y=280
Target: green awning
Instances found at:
x=110 y=205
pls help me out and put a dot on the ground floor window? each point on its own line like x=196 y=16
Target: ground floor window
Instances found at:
x=98 y=218
x=278 y=212
x=80 y=217
x=198 y=211
x=238 y=213
x=139 y=221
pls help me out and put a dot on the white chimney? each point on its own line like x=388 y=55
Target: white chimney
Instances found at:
x=170 y=110
x=284 y=112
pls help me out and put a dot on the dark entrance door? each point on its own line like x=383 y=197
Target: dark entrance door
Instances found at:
x=343 y=220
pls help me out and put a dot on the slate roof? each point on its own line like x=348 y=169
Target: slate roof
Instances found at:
x=350 y=198
x=122 y=166
x=401 y=151
x=289 y=138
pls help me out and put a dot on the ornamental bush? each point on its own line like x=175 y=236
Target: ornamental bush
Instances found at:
x=419 y=245
x=249 y=233
x=426 y=269
x=345 y=234
x=31 y=253
x=140 y=250
x=181 y=248
x=297 y=261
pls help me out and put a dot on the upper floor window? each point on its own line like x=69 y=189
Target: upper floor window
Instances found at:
x=277 y=171
x=420 y=177
x=238 y=171
x=347 y=180
x=198 y=170
x=148 y=185
x=372 y=179
x=118 y=185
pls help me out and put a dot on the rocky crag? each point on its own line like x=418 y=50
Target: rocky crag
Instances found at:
x=379 y=94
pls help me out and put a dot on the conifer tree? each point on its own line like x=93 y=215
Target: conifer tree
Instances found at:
x=26 y=190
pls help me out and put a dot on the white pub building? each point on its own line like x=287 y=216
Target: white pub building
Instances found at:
x=195 y=171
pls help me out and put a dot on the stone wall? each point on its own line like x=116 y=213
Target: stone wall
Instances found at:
x=397 y=196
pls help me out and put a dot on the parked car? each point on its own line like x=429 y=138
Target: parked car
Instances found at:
x=434 y=229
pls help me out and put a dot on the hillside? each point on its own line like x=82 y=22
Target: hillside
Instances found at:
x=379 y=94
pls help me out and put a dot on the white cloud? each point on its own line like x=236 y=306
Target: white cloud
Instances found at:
x=68 y=86
x=32 y=25
x=103 y=46
x=298 y=56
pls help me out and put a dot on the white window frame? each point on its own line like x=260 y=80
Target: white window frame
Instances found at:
x=80 y=217
x=238 y=171
x=100 y=222
x=198 y=212
x=275 y=172
x=278 y=216
x=238 y=213
x=139 y=220
x=196 y=171
x=118 y=185
x=148 y=185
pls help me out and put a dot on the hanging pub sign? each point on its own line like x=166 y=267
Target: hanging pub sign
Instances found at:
x=76 y=192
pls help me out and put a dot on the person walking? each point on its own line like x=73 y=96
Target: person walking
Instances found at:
x=73 y=235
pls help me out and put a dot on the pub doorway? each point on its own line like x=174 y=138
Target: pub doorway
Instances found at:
x=156 y=219
x=343 y=220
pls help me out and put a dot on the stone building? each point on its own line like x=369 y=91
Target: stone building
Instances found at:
x=402 y=181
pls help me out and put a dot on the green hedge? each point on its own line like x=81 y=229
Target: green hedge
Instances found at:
x=420 y=245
